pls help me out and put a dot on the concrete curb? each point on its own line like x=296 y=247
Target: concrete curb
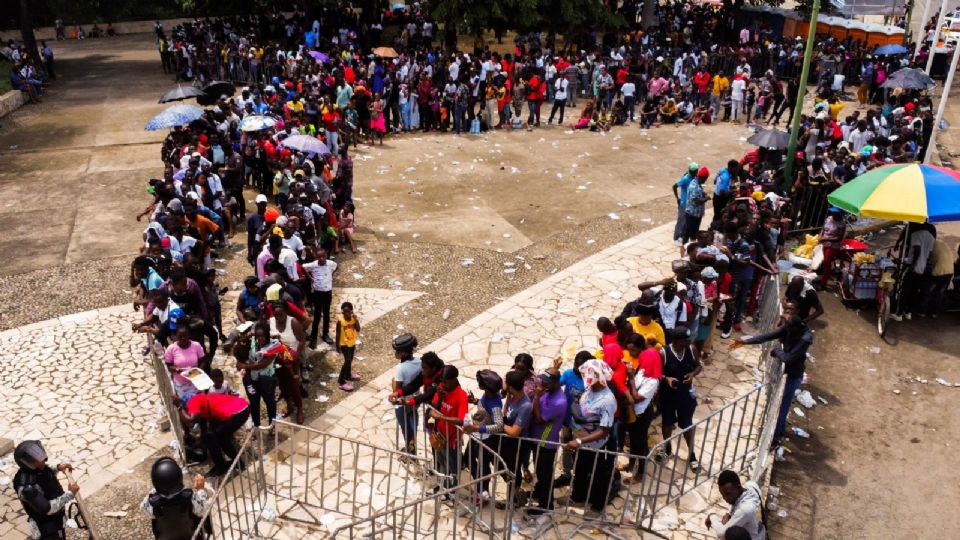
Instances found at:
x=11 y=101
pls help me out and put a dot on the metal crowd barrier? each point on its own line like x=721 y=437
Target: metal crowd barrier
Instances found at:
x=241 y=498
x=808 y=209
x=167 y=396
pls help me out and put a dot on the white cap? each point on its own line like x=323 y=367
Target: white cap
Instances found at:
x=282 y=221
x=261 y=198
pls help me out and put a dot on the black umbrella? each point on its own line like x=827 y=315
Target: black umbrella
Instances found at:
x=770 y=138
x=206 y=100
x=219 y=88
x=908 y=79
x=181 y=93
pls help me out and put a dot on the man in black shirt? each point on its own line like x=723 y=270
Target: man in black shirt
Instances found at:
x=795 y=339
x=804 y=297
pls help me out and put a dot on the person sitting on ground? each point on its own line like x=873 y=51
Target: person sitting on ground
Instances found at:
x=745 y=505
x=668 y=112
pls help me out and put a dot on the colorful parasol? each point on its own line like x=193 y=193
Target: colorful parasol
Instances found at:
x=905 y=192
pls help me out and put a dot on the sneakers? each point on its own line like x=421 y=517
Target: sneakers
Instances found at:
x=694 y=464
x=725 y=335
x=346 y=387
x=354 y=377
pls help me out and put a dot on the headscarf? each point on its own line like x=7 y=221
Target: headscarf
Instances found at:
x=595 y=371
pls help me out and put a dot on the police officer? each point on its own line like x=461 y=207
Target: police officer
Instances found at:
x=175 y=511
x=40 y=492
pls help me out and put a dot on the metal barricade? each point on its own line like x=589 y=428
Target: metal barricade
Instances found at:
x=240 y=504
x=342 y=487
x=808 y=209
x=167 y=396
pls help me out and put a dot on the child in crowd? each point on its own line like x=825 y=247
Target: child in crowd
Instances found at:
x=220 y=386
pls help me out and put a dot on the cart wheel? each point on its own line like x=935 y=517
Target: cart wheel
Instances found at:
x=883 y=312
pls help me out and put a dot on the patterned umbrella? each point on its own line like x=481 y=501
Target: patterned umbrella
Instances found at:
x=904 y=192
x=306 y=144
x=180 y=93
x=385 y=52
x=257 y=123
x=177 y=115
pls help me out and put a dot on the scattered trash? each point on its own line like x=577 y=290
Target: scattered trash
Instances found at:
x=822 y=400
x=942 y=382
x=509 y=270
x=895 y=391
x=333 y=375
x=615 y=294
x=874 y=350
x=613 y=216
x=322 y=398
x=268 y=514
x=806 y=399
x=506 y=235
x=115 y=514
x=466 y=262
x=799 y=412
x=591 y=241
x=799 y=432
x=781 y=454
x=357 y=276
x=446 y=314
x=782 y=514
x=174 y=445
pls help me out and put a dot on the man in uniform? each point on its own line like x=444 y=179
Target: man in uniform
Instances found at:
x=40 y=492
x=175 y=511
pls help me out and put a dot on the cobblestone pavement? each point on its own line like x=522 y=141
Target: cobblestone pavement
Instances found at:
x=80 y=384
x=558 y=314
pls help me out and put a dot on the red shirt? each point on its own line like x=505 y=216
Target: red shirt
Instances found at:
x=651 y=363
x=621 y=76
x=534 y=85
x=618 y=383
x=454 y=405
x=216 y=407
x=607 y=339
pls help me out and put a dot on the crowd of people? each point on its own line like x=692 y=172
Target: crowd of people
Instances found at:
x=555 y=427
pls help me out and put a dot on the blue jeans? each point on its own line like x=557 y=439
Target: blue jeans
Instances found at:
x=460 y=117
x=407 y=420
x=681 y=223
x=332 y=142
x=790 y=387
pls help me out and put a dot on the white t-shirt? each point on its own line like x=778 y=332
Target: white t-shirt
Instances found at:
x=163 y=315
x=669 y=313
x=560 y=85
x=647 y=387
x=628 y=89
x=736 y=89
x=321 y=277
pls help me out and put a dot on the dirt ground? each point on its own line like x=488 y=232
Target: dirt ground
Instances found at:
x=876 y=469
x=880 y=460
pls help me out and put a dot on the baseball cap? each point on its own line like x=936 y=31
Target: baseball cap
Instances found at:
x=547 y=377
x=261 y=198
x=175 y=206
x=273 y=292
x=709 y=273
x=175 y=315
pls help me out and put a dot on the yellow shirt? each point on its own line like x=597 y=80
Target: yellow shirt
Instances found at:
x=348 y=331
x=942 y=259
x=720 y=85
x=653 y=328
x=835 y=109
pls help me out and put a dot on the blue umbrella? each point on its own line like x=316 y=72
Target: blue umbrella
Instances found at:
x=257 y=123
x=887 y=50
x=177 y=115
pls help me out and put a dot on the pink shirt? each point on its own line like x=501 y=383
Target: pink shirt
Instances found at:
x=183 y=358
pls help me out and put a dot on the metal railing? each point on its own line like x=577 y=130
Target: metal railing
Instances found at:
x=808 y=209
x=167 y=396
x=241 y=498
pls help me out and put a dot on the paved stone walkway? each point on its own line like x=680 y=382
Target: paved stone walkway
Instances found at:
x=80 y=384
x=555 y=315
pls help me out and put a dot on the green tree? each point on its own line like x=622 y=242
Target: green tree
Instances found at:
x=473 y=18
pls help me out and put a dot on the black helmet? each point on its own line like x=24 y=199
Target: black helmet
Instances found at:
x=28 y=453
x=405 y=342
x=167 y=476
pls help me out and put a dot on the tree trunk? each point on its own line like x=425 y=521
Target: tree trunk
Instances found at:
x=648 y=17
x=26 y=33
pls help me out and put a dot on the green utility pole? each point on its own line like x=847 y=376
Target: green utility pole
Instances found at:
x=801 y=92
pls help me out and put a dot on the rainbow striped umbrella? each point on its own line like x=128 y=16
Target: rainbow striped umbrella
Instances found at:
x=904 y=192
